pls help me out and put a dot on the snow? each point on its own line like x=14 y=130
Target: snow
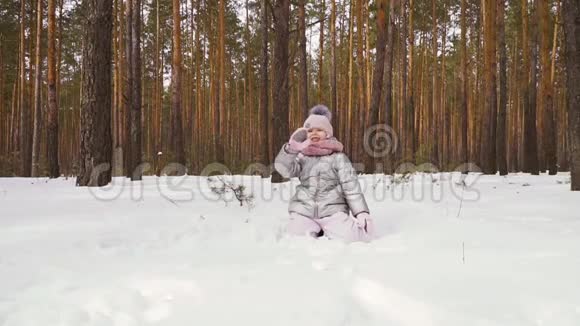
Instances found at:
x=165 y=252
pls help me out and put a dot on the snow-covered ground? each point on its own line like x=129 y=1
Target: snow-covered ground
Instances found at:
x=503 y=251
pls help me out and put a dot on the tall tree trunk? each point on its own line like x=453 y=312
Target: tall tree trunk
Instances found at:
x=557 y=24
x=176 y=127
x=531 y=129
x=404 y=77
x=389 y=107
x=514 y=112
x=264 y=89
x=280 y=116
x=443 y=116
x=361 y=106
x=463 y=111
x=157 y=93
x=128 y=90
x=4 y=117
x=24 y=128
x=571 y=15
x=198 y=87
x=15 y=125
x=14 y=128
x=213 y=80
x=95 y=136
x=366 y=61
x=36 y=137
x=61 y=139
x=546 y=89
x=411 y=134
x=116 y=171
x=501 y=138
x=220 y=133
x=135 y=152
x=333 y=63
x=530 y=161
x=321 y=52
x=432 y=125
x=373 y=117
x=348 y=126
x=4 y=109
x=52 y=140
x=474 y=139
x=302 y=64
x=490 y=101
x=249 y=103
x=120 y=147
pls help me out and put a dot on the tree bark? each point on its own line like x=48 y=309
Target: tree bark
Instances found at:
x=25 y=139
x=95 y=135
x=432 y=122
x=405 y=134
x=464 y=152
x=349 y=142
x=411 y=130
x=389 y=107
x=379 y=69
x=280 y=100
x=361 y=107
x=14 y=125
x=13 y=141
x=530 y=160
x=321 y=53
x=546 y=88
x=36 y=137
x=490 y=101
x=52 y=140
x=199 y=79
x=4 y=111
x=157 y=89
x=221 y=117
x=135 y=153
x=571 y=16
x=176 y=127
x=264 y=89
x=302 y=64
x=531 y=150
x=501 y=138
x=333 y=63
x=128 y=90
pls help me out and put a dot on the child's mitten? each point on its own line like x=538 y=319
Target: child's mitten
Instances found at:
x=299 y=140
x=365 y=222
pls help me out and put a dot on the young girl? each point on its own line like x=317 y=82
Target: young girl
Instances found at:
x=329 y=187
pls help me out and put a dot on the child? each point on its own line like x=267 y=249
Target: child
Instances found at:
x=329 y=187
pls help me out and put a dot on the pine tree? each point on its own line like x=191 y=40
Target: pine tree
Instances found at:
x=264 y=147
x=280 y=64
x=501 y=138
x=96 y=139
x=571 y=16
x=52 y=136
x=302 y=63
x=176 y=113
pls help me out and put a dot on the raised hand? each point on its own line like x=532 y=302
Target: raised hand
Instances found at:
x=299 y=140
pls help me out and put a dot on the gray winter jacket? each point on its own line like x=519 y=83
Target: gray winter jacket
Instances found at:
x=328 y=184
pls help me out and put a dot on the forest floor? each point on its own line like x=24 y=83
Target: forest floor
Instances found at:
x=165 y=251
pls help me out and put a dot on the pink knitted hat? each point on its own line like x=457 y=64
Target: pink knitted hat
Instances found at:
x=320 y=117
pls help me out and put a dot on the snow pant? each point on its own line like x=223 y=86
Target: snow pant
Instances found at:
x=336 y=226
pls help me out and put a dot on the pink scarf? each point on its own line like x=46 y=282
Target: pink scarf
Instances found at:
x=323 y=147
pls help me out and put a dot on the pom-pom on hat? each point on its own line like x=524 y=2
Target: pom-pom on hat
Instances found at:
x=320 y=117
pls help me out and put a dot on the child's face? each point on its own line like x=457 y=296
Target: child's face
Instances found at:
x=315 y=134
